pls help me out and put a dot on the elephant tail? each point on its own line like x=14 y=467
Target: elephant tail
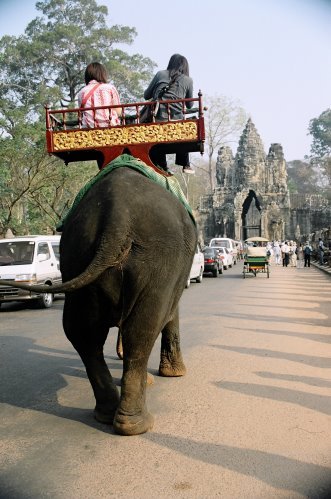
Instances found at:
x=97 y=266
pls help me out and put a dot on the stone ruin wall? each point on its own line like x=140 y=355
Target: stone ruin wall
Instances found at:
x=257 y=183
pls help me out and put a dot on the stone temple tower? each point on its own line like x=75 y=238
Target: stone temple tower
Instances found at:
x=251 y=197
x=249 y=166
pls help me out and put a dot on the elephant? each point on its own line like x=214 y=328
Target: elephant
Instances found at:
x=125 y=255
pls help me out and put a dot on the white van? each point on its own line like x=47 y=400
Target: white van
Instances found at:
x=31 y=260
x=226 y=242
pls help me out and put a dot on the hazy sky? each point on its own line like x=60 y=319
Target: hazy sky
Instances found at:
x=274 y=56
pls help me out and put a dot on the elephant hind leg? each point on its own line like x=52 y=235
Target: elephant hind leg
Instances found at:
x=132 y=416
x=105 y=391
x=88 y=339
x=119 y=351
x=138 y=337
x=171 y=362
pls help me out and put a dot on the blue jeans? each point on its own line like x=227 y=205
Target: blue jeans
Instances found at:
x=321 y=255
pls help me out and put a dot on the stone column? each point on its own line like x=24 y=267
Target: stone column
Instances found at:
x=237 y=225
x=264 y=224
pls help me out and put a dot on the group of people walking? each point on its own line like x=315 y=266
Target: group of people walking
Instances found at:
x=291 y=254
x=173 y=83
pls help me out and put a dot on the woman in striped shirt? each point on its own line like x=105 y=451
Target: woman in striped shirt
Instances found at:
x=98 y=92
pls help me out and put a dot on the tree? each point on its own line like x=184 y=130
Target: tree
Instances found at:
x=320 y=129
x=35 y=189
x=194 y=186
x=225 y=120
x=302 y=177
x=49 y=60
x=47 y=64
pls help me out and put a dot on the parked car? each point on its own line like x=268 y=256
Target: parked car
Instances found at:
x=32 y=260
x=213 y=262
x=197 y=267
x=225 y=256
x=228 y=243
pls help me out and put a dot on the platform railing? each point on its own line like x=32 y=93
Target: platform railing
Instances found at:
x=64 y=119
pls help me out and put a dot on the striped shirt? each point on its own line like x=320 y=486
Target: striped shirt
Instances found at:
x=99 y=94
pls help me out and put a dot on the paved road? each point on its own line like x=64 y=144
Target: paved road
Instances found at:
x=251 y=419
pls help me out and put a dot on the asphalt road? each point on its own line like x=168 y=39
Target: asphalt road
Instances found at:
x=251 y=419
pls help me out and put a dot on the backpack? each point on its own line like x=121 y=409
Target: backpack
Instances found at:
x=307 y=250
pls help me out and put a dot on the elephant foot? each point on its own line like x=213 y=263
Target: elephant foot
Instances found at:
x=171 y=369
x=104 y=412
x=133 y=425
x=103 y=416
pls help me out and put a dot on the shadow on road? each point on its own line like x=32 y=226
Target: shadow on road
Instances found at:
x=310 y=360
x=320 y=338
x=319 y=403
x=277 y=471
x=306 y=380
x=32 y=375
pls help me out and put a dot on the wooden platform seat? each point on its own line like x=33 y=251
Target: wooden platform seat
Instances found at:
x=70 y=141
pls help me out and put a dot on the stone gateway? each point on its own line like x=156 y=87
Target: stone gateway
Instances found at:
x=252 y=197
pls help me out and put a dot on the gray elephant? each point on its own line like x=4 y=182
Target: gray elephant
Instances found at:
x=126 y=253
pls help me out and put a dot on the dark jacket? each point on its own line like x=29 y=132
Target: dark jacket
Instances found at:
x=181 y=88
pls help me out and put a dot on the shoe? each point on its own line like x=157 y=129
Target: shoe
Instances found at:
x=188 y=169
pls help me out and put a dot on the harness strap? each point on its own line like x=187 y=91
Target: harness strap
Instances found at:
x=88 y=95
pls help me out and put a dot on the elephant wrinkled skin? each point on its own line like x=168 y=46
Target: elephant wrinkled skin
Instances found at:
x=126 y=252
x=141 y=241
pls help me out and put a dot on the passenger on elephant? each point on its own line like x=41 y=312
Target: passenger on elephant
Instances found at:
x=98 y=92
x=173 y=83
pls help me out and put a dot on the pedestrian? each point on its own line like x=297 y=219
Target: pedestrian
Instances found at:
x=290 y=253
x=321 y=251
x=300 y=255
x=240 y=250
x=98 y=92
x=172 y=83
x=294 y=255
x=285 y=253
x=277 y=253
x=307 y=252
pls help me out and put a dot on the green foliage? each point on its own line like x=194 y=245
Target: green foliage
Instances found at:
x=35 y=189
x=302 y=177
x=49 y=60
x=320 y=129
x=46 y=65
